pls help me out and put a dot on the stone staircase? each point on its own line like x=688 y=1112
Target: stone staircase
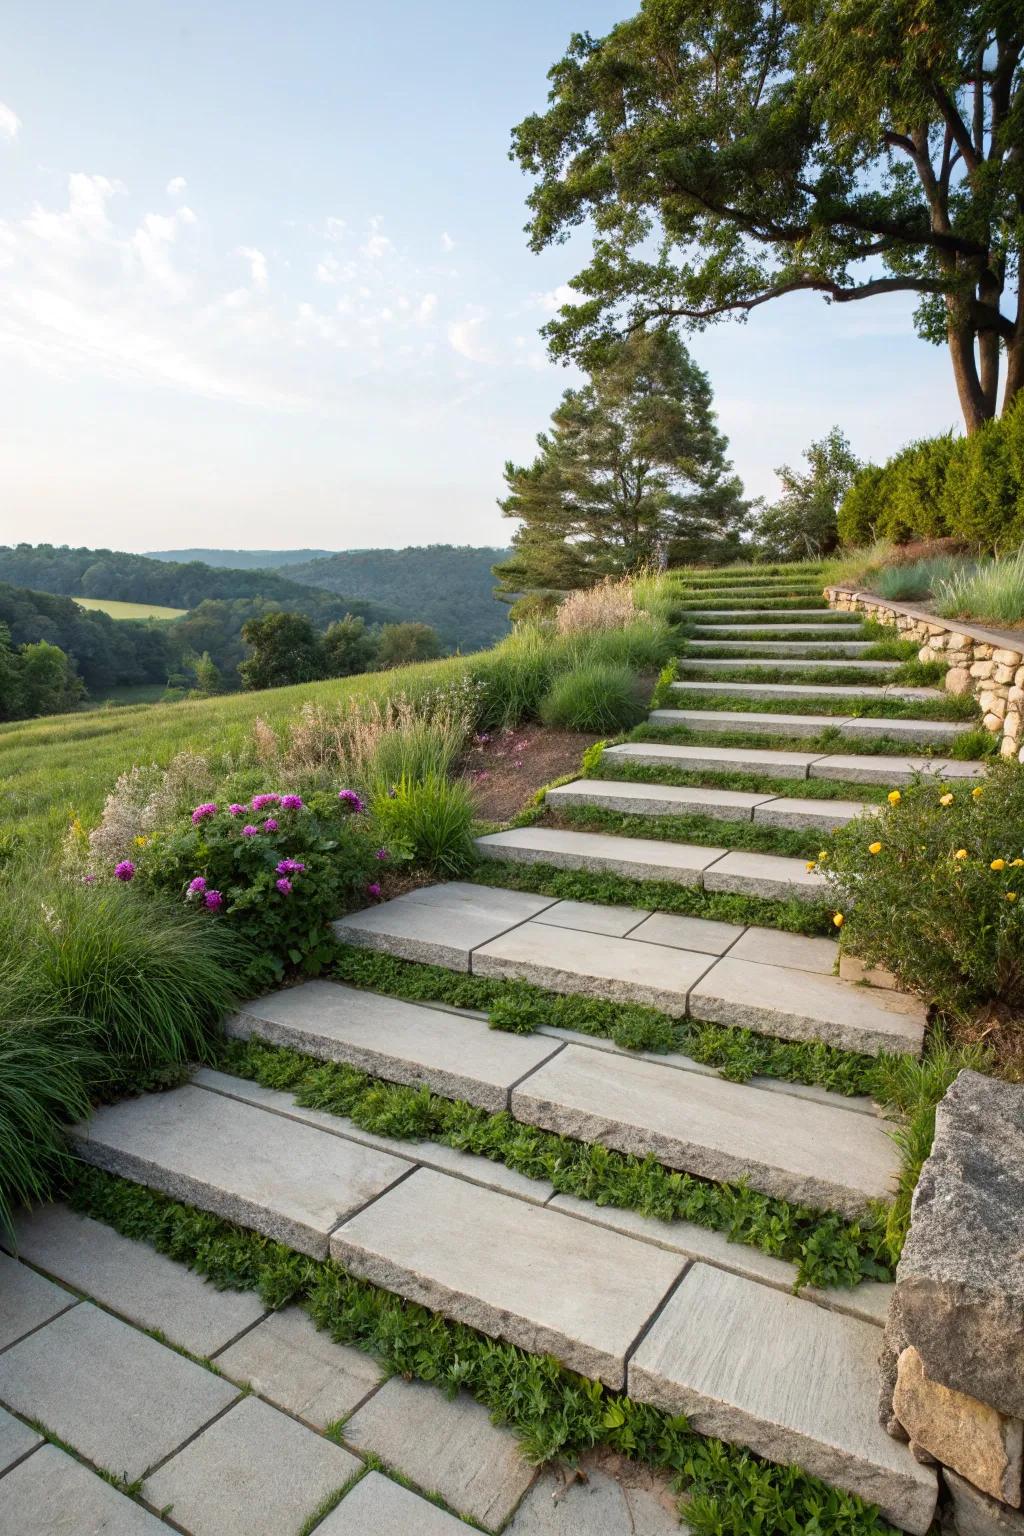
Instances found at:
x=671 y=1312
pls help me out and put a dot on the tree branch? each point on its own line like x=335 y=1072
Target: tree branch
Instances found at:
x=948 y=107
x=830 y=289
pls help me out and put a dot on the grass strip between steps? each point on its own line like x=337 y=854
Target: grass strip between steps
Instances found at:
x=951 y=707
x=626 y=770
x=554 y=1411
x=703 y=831
x=827 y=1248
x=972 y=742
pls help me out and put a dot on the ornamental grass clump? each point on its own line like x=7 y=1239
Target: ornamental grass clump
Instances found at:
x=595 y=697
x=933 y=888
x=428 y=821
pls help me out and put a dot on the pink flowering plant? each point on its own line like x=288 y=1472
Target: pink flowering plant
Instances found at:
x=278 y=868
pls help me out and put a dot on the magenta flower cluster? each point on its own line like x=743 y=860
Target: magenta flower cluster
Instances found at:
x=125 y=870
x=201 y=812
x=351 y=799
x=290 y=867
x=260 y=802
x=291 y=802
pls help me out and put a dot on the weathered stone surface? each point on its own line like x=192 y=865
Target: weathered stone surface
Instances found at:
x=810 y=691
x=697 y=933
x=797 y=1005
x=255 y=1472
x=445 y=1446
x=794 y=1382
x=16 y=1440
x=960 y=1282
x=814 y=815
x=564 y=960
x=120 y=1398
x=837 y=627
x=801 y=1151
x=440 y=924
x=923 y=731
x=781 y=765
x=975 y=1514
x=52 y=1494
x=977 y=1441
x=795 y=951
x=282 y=1178
x=637 y=858
x=861 y=769
x=744 y=720
x=766 y=874
x=378 y=1507
x=291 y=1362
x=607 y=1495
x=26 y=1300
x=656 y=799
x=131 y=1278
x=403 y=1042
x=692 y=663
x=591 y=917
x=809 y=650
x=853 y=969
x=519 y=1272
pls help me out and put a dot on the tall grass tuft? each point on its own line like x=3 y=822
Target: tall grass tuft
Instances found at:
x=919 y=578
x=429 y=820
x=992 y=591
x=596 y=697
x=42 y=1088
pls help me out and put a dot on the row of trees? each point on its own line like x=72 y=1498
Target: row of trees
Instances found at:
x=36 y=679
x=286 y=649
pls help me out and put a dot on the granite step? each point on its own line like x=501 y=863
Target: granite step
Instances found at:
x=811 y=650
x=844 y=629
x=784 y=664
x=403 y=1042
x=806 y=1153
x=852 y=767
x=290 y=1182
x=629 y=798
x=924 y=732
x=440 y=924
x=796 y=1384
x=813 y=691
x=745 y=612
x=860 y=769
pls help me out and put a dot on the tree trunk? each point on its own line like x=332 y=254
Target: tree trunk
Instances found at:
x=960 y=335
x=1014 y=369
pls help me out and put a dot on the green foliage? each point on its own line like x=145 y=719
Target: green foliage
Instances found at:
x=42 y=1087
x=285 y=649
x=928 y=905
x=859 y=514
x=951 y=707
x=36 y=679
x=281 y=915
x=704 y=831
x=400 y=645
x=554 y=1411
x=992 y=591
x=428 y=820
x=598 y=697
x=803 y=520
x=348 y=647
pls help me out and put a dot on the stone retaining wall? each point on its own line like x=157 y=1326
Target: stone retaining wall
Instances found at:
x=981 y=662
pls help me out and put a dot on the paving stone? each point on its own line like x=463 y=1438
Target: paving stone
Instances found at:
x=795 y=1383
x=795 y=951
x=458 y=1057
x=591 y=917
x=52 y=1494
x=781 y=765
x=748 y=720
x=120 y=1398
x=26 y=1300
x=440 y=924
x=637 y=858
x=812 y=650
x=858 y=768
x=812 y=691
x=431 y=1154
x=812 y=815
x=973 y=1438
x=281 y=1178
x=378 y=1507
x=766 y=874
x=16 y=1440
x=771 y=615
x=131 y=1278
x=292 y=1363
x=563 y=960
x=807 y=1153
x=656 y=799
x=797 y=1005
x=449 y=1447
x=698 y=933
x=925 y=731
x=255 y=1472
x=823 y=629
x=608 y=1496
x=519 y=1272
x=689 y=663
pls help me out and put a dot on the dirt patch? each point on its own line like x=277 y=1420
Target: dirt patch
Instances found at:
x=505 y=770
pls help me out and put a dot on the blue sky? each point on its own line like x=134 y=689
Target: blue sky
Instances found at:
x=263 y=280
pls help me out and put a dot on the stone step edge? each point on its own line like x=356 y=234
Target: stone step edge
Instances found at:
x=815 y=811
x=889 y=765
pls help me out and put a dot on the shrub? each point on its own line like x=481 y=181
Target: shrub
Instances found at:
x=515 y=677
x=595 y=697
x=860 y=511
x=276 y=870
x=940 y=900
x=428 y=820
x=912 y=493
x=993 y=591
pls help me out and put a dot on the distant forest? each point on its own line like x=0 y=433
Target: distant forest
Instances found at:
x=240 y=559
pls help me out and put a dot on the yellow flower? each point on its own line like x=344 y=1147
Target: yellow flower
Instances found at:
x=1016 y=863
x=140 y=842
x=998 y=864
x=874 y=847
x=961 y=853
x=823 y=855
x=811 y=865
x=839 y=920
x=1011 y=895
x=894 y=797
x=946 y=799
x=977 y=792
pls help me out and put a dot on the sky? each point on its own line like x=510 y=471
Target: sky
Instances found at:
x=264 y=282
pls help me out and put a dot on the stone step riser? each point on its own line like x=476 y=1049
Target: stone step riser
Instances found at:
x=811 y=691
x=716 y=804
x=752 y=651
x=850 y=767
x=775 y=664
x=923 y=732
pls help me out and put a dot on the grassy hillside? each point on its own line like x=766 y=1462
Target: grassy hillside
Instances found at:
x=119 y=610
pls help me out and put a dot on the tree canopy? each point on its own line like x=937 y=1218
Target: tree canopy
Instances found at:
x=733 y=152
x=802 y=524
x=633 y=468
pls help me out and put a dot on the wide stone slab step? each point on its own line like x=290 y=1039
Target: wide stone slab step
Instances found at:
x=925 y=732
x=811 y=650
x=796 y=1384
x=840 y=629
x=532 y=1276
x=288 y=1181
x=636 y=858
x=861 y=769
x=440 y=924
x=788 y=664
x=801 y=1151
x=813 y=691
x=636 y=799
x=759 y=760
x=745 y=611
x=402 y=1042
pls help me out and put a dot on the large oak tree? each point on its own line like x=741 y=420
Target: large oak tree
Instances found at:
x=731 y=152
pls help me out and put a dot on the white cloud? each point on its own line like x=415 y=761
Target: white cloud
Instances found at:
x=447 y=243
x=551 y=302
x=426 y=307
x=177 y=186
x=377 y=247
x=466 y=337
x=257 y=265
x=10 y=122
x=334 y=229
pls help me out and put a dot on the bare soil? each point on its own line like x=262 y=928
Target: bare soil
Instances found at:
x=506 y=770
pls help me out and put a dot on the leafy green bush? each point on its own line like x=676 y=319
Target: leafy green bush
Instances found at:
x=933 y=888
x=276 y=869
x=596 y=697
x=428 y=820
